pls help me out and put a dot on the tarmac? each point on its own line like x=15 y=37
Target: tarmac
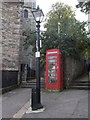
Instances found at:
x=69 y=103
x=65 y=104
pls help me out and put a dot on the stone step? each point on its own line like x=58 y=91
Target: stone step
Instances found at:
x=81 y=84
x=80 y=87
x=31 y=81
x=31 y=85
x=82 y=81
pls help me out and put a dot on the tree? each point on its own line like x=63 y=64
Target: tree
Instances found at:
x=72 y=32
x=85 y=7
x=30 y=38
x=71 y=38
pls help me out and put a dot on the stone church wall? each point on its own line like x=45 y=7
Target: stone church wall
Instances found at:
x=11 y=35
x=27 y=55
x=16 y=63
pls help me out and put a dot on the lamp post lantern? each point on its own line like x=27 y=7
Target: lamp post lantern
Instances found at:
x=36 y=97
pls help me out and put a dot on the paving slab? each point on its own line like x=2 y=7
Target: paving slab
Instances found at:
x=66 y=104
x=13 y=101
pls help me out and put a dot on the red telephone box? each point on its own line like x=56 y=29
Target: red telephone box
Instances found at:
x=54 y=70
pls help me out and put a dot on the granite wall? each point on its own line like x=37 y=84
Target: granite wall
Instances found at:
x=72 y=69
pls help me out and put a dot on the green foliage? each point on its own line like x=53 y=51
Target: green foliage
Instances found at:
x=30 y=38
x=85 y=7
x=72 y=39
x=70 y=36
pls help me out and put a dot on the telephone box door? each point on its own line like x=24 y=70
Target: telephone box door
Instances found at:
x=54 y=72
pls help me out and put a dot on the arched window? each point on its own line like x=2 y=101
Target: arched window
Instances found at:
x=25 y=13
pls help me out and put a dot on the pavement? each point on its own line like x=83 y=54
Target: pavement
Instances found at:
x=13 y=101
x=66 y=104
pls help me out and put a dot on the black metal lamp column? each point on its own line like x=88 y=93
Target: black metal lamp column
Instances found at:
x=36 y=96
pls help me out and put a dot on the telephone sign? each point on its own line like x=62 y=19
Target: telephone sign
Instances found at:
x=54 y=70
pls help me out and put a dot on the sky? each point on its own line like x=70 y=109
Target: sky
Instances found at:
x=45 y=5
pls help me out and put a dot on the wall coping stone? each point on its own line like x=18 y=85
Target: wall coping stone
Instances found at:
x=14 y=1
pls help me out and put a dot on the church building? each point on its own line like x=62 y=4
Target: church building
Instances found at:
x=15 y=61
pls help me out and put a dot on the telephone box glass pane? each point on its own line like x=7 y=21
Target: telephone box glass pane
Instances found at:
x=52 y=57
x=52 y=71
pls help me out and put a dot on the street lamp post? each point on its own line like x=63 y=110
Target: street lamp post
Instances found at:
x=59 y=34
x=36 y=97
x=58 y=28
